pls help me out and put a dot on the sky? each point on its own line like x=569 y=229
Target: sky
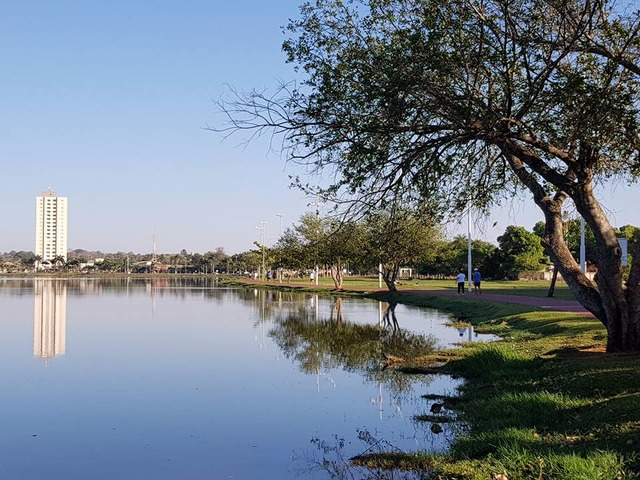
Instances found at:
x=107 y=104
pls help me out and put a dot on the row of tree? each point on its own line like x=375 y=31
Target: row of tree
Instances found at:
x=406 y=240
x=392 y=241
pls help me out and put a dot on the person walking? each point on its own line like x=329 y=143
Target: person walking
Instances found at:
x=460 y=279
x=477 y=278
x=312 y=277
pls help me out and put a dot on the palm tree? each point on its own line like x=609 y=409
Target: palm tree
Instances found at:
x=59 y=261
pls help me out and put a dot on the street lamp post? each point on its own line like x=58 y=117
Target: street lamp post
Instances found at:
x=264 y=240
x=280 y=215
x=318 y=203
x=262 y=228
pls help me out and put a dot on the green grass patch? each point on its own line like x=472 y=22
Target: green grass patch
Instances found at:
x=526 y=464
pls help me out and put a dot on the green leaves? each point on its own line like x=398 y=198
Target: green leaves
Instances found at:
x=520 y=250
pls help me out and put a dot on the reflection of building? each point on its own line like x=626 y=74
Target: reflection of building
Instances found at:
x=51 y=226
x=49 y=318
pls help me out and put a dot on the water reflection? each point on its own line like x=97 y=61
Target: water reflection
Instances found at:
x=467 y=333
x=321 y=342
x=225 y=382
x=293 y=312
x=49 y=318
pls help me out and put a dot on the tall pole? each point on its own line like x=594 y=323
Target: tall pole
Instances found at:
x=262 y=229
x=583 y=261
x=264 y=240
x=469 y=249
x=318 y=203
x=280 y=215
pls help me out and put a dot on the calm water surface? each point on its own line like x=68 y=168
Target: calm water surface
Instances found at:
x=165 y=379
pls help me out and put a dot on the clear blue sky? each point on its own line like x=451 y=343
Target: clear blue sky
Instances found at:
x=106 y=102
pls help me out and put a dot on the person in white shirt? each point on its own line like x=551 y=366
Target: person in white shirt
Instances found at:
x=461 y=278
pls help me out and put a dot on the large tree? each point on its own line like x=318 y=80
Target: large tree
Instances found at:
x=398 y=238
x=520 y=251
x=451 y=100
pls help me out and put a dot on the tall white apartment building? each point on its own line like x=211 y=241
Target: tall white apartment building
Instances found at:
x=51 y=226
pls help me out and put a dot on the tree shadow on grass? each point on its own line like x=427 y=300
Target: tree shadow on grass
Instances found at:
x=555 y=323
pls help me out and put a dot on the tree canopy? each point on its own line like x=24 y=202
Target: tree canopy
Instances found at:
x=520 y=251
x=434 y=102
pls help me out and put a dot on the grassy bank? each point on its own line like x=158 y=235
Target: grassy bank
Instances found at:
x=545 y=402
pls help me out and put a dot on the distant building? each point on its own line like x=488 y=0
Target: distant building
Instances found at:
x=51 y=226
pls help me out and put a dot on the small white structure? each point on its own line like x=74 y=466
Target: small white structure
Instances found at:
x=405 y=272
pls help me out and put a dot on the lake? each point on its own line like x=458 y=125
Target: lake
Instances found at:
x=180 y=379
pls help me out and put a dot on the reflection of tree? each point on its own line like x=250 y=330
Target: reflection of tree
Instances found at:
x=334 y=343
x=336 y=307
x=390 y=320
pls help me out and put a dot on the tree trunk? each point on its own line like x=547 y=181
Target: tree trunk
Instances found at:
x=336 y=276
x=614 y=303
x=554 y=278
x=620 y=300
x=389 y=275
